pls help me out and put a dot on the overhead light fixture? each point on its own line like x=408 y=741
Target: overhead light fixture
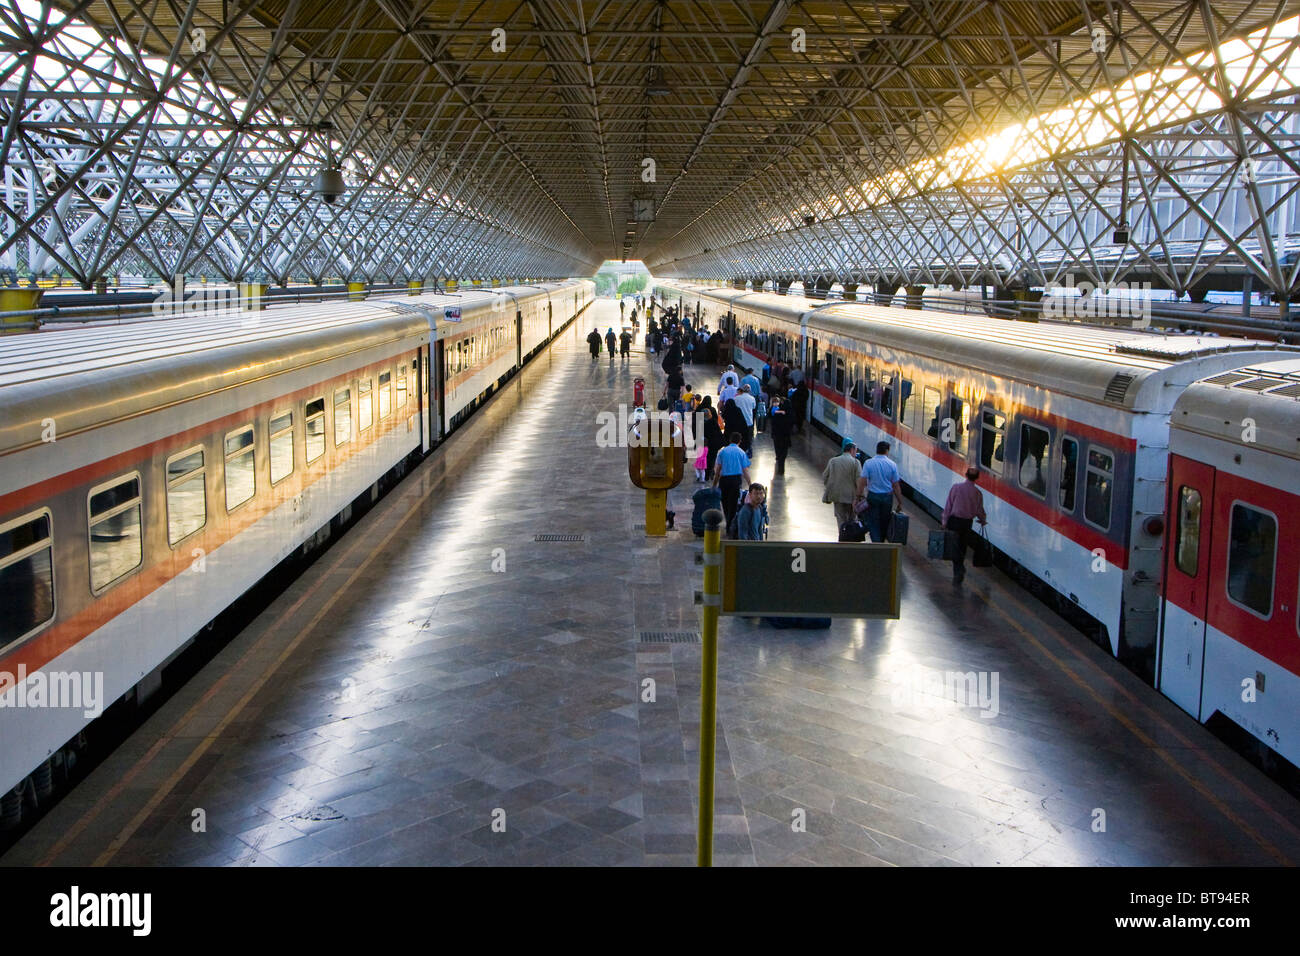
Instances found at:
x=655 y=85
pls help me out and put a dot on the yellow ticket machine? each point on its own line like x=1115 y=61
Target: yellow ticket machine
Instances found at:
x=656 y=461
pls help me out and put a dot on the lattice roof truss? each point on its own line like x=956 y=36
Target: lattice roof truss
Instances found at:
x=922 y=142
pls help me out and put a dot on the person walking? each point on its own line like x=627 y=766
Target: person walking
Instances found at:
x=840 y=478
x=610 y=341
x=965 y=505
x=731 y=469
x=747 y=405
x=782 y=423
x=799 y=402
x=625 y=345
x=751 y=519
x=673 y=385
x=593 y=343
x=714 y=438
x=729 y=377
x=878 y=484
x=755 y=387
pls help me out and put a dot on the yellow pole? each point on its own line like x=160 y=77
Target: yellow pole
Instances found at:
x=709 y=680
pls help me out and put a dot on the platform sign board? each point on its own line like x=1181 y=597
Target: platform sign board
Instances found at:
x=810 y=579
x=451 y=313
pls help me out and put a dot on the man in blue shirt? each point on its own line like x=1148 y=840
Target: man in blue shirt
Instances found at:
x=879 y=483
x=732 y=466
x=747 y=404
x=755 y=387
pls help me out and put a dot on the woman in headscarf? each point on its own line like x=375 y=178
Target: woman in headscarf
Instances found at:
x=713 y=435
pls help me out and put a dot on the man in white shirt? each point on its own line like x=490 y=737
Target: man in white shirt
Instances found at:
x=747 y=403
x=729 y=377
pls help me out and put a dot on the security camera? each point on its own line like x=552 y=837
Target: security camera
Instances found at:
x=329 y=184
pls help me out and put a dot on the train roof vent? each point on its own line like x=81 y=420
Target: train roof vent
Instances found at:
x=1118 y=388
x=1259 y=384
x=1289 y=391
x=1227 y=378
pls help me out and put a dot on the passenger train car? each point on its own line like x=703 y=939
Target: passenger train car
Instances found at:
x=1067 y=423
x=151 y=473
x=1230 y=631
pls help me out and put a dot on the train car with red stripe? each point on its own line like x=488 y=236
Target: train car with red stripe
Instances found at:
x=1230 y=628
x=153 y=472
x=1068 y=425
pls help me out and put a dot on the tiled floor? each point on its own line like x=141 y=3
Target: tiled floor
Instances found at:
x=406 y=703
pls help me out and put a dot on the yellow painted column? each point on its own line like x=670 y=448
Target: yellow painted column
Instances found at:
x=450 y=285
x=414 y=286
x=18 y=300
x=356 y=291
x=252 y=295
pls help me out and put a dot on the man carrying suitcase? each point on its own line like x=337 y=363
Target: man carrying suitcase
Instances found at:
x=879 y=484
x=965 y=504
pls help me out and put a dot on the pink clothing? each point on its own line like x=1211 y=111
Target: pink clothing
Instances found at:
x=965 y=500
x=702 y=459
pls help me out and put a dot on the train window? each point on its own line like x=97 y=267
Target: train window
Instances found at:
x=342 y=416
x=1069 y=473
x=960 y=430
x=365 y=405
x=385 y=394
x=1252 y=553
x=993 y=440
x=1187 y=547
x=905 y=414
x=187 y=495
x=115 y=541
x=931 y=410
x=241 y=476
x=856 y=384
x=1096 y=494
x=281 y=447
x=400 y=391
x=887 y=394
x=26 y=576
x=1034 y=442
x=315 y=419
x=839 y=374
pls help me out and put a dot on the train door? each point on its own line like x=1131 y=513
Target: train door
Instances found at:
x=1186 y=582
x=437 y=370
x=420 y=368
x=519 y=339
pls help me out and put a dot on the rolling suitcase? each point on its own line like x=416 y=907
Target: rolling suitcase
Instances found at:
x=942 y=544
x=898 y=528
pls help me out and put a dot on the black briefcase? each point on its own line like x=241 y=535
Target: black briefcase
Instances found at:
x=982 y=551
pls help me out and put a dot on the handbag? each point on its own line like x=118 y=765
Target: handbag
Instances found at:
x=859 y=505
x=982 y=550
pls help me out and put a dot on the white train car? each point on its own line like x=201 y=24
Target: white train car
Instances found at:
x=1230 y=629
x=1068 y=424
x=151 y=473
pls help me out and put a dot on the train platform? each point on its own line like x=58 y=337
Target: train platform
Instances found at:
x=459 y=680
